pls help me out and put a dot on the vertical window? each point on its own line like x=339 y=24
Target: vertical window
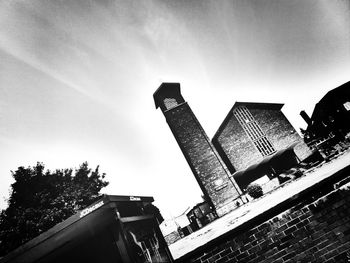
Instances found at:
x=170 y=103
x=253 y=130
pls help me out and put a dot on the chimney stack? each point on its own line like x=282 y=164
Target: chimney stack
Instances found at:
x=306 y=117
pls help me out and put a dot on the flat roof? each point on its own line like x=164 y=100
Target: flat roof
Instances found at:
x=97 y=214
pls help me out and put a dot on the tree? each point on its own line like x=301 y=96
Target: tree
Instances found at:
x=40 y=199
x=255 y=190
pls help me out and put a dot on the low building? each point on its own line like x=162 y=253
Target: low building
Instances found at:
x=329 y=123
x=176 y=228
x=114 y=229
x=201 y=215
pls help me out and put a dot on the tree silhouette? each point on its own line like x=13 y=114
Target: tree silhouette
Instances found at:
x=40 y=199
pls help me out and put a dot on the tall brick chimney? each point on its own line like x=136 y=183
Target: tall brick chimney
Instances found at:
x=207 y=167
x=306 y=117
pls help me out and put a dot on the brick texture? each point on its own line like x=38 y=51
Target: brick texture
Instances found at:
x=239 y=151
x=206 y=165
x=314 y=231
x=279 y=131
x=237 y=146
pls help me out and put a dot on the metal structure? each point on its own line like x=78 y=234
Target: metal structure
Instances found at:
x=114 y=229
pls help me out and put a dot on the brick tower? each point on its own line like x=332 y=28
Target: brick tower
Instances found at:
x=209 y=170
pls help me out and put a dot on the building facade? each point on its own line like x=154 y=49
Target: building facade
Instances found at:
x=176 y=228
x=207 y=167
x=254 y=140
x=252 y=132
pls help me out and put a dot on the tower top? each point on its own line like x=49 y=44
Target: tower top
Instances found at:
x=168 y=96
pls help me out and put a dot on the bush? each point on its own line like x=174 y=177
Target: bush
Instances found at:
x=255 y=190
x=282 y=178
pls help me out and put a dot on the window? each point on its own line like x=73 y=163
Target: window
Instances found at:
x=170 y=103
x=253 y=130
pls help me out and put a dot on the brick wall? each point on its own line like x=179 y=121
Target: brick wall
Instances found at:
x=237 y=146
x=279 y=131
x=206 y=165
x=237 y=149
x=314 y=229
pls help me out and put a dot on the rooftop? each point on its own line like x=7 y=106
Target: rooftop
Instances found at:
x=259 y=105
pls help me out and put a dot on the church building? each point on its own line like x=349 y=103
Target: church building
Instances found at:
x=257 y=139
x=251 y=134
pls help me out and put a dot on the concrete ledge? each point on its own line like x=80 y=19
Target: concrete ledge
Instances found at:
x=316 y=183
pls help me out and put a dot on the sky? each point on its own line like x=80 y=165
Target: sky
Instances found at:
x=77 y=80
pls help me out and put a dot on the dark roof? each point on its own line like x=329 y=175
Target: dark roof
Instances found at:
x=165 y=88
x=250 y=105
x=97 y=214
x=335 y=96
x=263 y=105
x=244 y=176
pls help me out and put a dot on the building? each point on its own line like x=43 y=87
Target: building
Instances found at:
x=256 y=139
x=113 y=229
x=207 y=167
x=175 y=228
x=330 y=120
x=201 y=215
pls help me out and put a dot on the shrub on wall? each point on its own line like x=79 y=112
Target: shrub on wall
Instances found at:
x=255 y=190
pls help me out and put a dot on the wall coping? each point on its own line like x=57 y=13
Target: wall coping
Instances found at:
x=258 y=211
